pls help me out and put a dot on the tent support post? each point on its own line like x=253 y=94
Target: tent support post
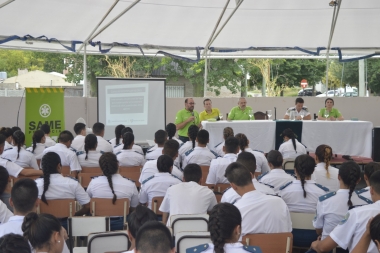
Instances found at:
x=6 y=3
x=206 y=75
x=85 y=71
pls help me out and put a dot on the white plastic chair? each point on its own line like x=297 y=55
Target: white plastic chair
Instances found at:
x=189 y=222
x=108 y=241
x=302 y=220
x=185 y=240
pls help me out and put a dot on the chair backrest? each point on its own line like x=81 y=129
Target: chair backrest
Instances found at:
x=13 y=180
x=108 y=241
x=288 y=164
x=186 y=239
x=221 y=187
x=189 y=222
x=91 y=170
x=131 y=173
x=104 y=207
x=85 y=225
x=302 y=220
x=60 y=208
x=65 y=170
x=85 y=178
x=277 y=242
x=260 y=116
x=205 y=170
x=156 y=203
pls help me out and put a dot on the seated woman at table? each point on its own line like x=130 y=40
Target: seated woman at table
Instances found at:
x=334 y=114
x=291 y=148
x=325 y=174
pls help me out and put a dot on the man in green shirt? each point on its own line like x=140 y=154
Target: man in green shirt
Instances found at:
x=241 y=112
x=185 y=118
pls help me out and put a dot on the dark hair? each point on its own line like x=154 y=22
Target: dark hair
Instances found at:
x=38 y=228
x=224 y=218
x=243 y=141
x=6 y=131
x=78 y=127
x=231 y=144
x=15 y=128
x=126 y=130
x=98 y=128
x=349 y=172
x=228 y=132
x=207 y=99
x=203 y=137
x=171 y=129
x=304 y=166
x=238 y=174
x=370 y=168
x=374 y=228
x=289 y=133
x=138 y=217
x=154 y=236
x=327 y=99
x=299 y=100
x=24 y=195
x=12 y=243
x=160 y=137
x=49 y=163
x=374 y=181
x=118 y=134
x=128 y=139
x=192 y=173
x=192 y=132
x=45 y=128
x=171 y=148
x=37 y=137
x=248 y=160
x=4 y=176
x=65 y=136
x=2 y=139
x=275 y=158
x=19 y=140
x=164 y=163
x=324 y=154
x=109 y=165
x=90 y=142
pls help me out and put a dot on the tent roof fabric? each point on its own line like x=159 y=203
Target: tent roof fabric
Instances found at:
x=183 y=28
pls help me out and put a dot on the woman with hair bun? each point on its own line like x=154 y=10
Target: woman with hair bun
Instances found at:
x=227 y=132
x=291 y=148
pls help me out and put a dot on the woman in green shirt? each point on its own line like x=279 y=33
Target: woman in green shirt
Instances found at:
x=334 y=114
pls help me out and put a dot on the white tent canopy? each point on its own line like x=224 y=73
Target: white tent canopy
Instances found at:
x=179 y=27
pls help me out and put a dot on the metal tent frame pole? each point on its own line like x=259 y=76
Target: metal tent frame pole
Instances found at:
x=6 y=3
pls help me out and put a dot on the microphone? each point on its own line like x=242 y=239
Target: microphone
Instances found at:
x=192 y=114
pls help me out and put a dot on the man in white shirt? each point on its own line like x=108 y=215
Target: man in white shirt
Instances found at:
x=188 y=197
x=153 y=153
x=103 y=145
x=218 y=166
x=260 y=213
x=48 y=141
x=78 y=142
x=298 y=110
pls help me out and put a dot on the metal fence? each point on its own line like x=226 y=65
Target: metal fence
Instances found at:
x=11 y=93
x=175 y=91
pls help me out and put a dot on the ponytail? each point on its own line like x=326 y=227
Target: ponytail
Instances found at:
x=19 y=140
x=349 y=173
x=90 y=143
x=109 y=165
x=243 y=141
x=192 y=133
x=49 y=164
x=128 y=139
x=171 y=129
x=304 y=166
x=290 y=134
x=37 y=137
x=228 y=132
x=324 y=153
x=118 y=133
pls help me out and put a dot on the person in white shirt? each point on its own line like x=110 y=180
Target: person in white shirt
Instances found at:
x=298 y=110
x=171 y=129
x=89 y=157
x=248 y=160
x=18 y=154
x=372 y=234
x=261 y=213
x=120 y=146
x=325 y=174
x=155 y=237
x=78 y=142
x=200 y=155
x=218 y=166
x=157 y=185
x=291 y=148
x=332 y=207
x=227 y=132
x=118 y=136
x=5 y=207
x=369 y=169
x=127 y=156
x=348 y=232
x=225 y=225
x=188 y=197
x=192 y=134
x=276 y=177
x=13 y=243
x=7 y=132
x=38 y=146
x=103 y=145
x=302 y=195
x=153 y=153
x=49 y=141
x=68 y=157
x=261 y=161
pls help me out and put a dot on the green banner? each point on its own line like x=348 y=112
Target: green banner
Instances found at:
x=44 y=106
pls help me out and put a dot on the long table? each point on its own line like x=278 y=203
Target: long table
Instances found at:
x=345 y=137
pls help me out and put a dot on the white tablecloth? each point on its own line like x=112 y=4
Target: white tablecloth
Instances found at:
x=345 y=137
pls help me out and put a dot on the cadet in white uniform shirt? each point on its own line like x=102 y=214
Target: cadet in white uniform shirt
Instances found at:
x=49 y=141
x=188 y=197
x=153 y=153
x=18 y=154
x=225 y=225
x=291 y=148
x=5 y=212
x=89 y=157
x=325 y=174
x=38 y=146
x=332 y=207
x=298 y=110
x=171 y=129
x=272 y=210
x=227 y=132
x=68 y=157
x=369 y=169
x=349 y=231
x=218 y=166
x=200 y=155
x=103 y=145
x=118 y=147
x=7 y=132
x=118 y=136
x=154 y=237
x=128 y=157
x=157 y=185
x=302 y=195
x=192 y=134
x=78 y=142
x=277 y=177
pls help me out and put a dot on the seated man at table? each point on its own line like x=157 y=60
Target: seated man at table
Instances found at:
x=298 y=110
x=209 y=112
x=241 y=112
